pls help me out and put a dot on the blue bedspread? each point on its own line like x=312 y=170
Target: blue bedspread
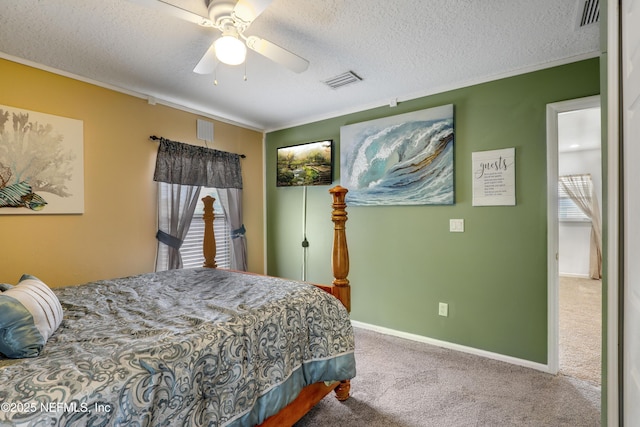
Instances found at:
x=182 y=347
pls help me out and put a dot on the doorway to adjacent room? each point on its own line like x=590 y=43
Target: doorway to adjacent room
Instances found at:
x=575 y=288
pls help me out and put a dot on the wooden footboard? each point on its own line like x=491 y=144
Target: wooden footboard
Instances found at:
x=339 y=287
x=307 y=399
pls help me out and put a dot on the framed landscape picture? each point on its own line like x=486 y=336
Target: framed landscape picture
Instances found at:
x=305 y=164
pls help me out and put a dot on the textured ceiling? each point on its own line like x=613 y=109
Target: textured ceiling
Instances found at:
x=401 y=48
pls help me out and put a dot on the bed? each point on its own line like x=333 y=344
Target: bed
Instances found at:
x=189 y=347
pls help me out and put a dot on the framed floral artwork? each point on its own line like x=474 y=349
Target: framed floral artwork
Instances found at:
x=41 y=163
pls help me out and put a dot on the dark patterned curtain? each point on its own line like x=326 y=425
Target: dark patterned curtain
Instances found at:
x=181 y=170
x=185 y=164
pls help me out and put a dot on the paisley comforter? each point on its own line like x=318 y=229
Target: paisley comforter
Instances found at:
x=182 y=347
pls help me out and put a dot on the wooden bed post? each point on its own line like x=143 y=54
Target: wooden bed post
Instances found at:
x=340 y=254
x=340 y=265
x=209 y=242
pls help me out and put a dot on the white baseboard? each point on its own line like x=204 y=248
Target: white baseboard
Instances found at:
x=580 y=276
x=453 y=346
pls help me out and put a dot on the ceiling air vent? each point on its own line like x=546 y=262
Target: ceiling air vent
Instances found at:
x=342 y=80
x=589 y=12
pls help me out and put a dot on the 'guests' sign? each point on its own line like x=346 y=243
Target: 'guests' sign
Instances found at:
x=494 y=177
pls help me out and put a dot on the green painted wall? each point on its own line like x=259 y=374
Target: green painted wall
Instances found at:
x=404 y=261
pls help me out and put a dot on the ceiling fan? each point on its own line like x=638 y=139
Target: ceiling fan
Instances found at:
x=231 y=18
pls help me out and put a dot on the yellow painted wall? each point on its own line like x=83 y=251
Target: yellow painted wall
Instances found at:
x=116 y=234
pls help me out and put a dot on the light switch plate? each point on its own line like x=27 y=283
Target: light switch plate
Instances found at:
x=456 y=225
x=443 y=309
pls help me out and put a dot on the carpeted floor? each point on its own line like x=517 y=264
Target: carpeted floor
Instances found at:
x=580 y=334
x=403 y=383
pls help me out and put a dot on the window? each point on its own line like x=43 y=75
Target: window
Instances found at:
x=567 y=209
x=191 y=249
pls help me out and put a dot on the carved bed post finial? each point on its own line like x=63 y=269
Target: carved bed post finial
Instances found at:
x=340 y=255
x=209 y=241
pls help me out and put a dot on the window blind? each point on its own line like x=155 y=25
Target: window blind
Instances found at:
x=191 y=249
x=567 y=209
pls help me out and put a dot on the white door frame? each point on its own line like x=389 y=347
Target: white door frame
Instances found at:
x=553 y=363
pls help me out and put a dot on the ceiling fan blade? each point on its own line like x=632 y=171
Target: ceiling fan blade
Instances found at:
x=277 y=54
x=173 y=10
x=248 y=10
x=208 y=62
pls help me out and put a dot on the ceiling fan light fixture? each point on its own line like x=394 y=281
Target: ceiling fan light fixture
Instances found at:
x=230 y=50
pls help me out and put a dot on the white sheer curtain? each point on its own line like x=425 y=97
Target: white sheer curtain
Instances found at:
x=176 y=205
x=581 y=191
x=231 y=201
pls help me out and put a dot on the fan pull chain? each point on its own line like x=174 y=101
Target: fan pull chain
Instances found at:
x=215 y=75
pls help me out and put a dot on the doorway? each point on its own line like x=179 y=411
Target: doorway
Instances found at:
x=574 y=297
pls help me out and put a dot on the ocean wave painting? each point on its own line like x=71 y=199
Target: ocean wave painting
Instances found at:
x=406 y=159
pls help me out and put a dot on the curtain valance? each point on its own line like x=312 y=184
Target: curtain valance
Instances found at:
x=186 y=164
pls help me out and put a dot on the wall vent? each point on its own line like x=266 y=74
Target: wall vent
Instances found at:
x=342 y=80
x=588 y=12
x=204 y=130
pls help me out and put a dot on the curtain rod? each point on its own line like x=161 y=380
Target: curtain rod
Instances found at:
x=155 y=138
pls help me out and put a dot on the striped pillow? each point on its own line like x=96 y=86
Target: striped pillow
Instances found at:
x=29 y=314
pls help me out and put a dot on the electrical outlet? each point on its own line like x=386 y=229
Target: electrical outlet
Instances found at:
x=443 y=309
